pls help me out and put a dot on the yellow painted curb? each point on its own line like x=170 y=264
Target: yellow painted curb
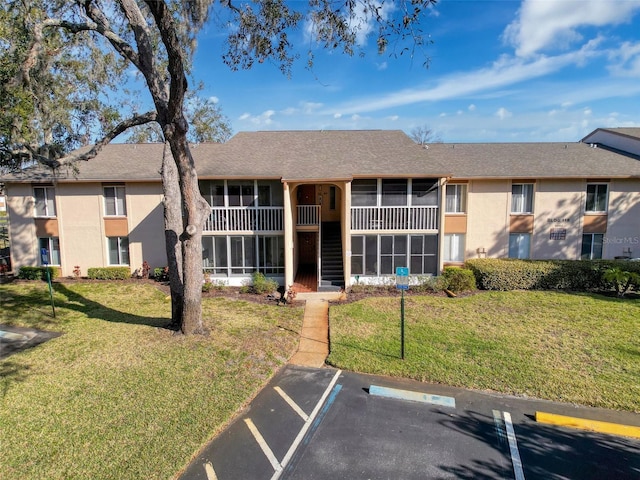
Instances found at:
x=584 y=424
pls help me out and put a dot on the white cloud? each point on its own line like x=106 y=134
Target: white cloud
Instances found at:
x=265 y=118
x=355 y=117
x=503 y=72
x=471 y=108
x=459 y=112
x=544 y=24
x=337 y=115
x=381 y=66
x=587 y=112
x=213 y=99
x=393 y=118
x=503 y=113
x=626 y=60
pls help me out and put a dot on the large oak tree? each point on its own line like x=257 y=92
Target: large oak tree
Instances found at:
x=64 y=62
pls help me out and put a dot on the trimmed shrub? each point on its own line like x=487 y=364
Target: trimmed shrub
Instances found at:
x=459 y=279
x=38 y=273
x=575 y=275
x=109 y=273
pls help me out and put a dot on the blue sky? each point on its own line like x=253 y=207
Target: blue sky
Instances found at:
x=500 y=71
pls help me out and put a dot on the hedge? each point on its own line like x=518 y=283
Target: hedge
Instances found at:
x=575 y=275
x=38 y=273
x=109 y=273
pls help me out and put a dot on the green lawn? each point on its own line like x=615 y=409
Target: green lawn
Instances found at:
x=117 y=396
x=576 y=348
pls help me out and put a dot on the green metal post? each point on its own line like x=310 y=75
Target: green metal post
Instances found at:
x=53 y=307
x=402 y=325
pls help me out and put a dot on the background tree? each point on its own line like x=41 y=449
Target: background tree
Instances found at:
x=423 y=135
x=75 y=51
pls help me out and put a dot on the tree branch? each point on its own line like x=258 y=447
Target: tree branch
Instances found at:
x=97 y=147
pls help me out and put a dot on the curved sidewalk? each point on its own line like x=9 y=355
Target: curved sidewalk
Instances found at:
x=314 y=337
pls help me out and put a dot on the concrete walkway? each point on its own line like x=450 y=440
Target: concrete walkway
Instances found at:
x=314 y=337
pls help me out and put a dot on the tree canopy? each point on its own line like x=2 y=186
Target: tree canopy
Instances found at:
x=70 y=69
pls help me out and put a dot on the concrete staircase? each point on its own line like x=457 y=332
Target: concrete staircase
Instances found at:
x=332 y=272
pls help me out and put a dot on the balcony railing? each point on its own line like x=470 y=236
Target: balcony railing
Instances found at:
x=308 y=215
x=394 y=218
x=235 y=219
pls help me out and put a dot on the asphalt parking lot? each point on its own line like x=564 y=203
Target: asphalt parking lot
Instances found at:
x=327 y=424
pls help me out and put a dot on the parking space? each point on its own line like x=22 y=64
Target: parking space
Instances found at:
x=326 y=424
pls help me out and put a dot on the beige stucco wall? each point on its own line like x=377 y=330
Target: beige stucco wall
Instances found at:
x=623 y=229
x=145 y=216
x=22 y=230
x=488 y=218
x=82 y=241
x=558 y=204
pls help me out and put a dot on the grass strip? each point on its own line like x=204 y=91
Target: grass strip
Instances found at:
x=576 y=348
x=119 y=396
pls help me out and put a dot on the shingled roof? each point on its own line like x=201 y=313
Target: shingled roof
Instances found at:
x=532 y=160
x=346 y=154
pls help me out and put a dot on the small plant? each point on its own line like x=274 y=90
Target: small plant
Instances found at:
x=210 y=284
x=429 y=284
x=77 y=272
x=622 y=281
x=146 y=268
x=161 y=274
x=291 y=294
x=262 y=284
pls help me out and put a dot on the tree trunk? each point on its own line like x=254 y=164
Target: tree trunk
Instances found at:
x=195 y=211
x=172 y=228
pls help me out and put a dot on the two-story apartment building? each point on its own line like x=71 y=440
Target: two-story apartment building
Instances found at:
x=340 y=206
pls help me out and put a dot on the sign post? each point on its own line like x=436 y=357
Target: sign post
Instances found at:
x=402 y=284
x=44 y=256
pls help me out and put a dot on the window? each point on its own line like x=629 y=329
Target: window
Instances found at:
x=393 y=253
x=364 y=255
x=50 y=245
x=364 y=193
x=522 y=198
x=456 y=199
x=423 y=254
x=118 y=250
x=45 y=198
x=591 y=246
x=454 y=247
x=114 y=201
x=213 y=192
x=596 y=197
x=214 y=254
x=242 y=254
x=424 y=192
x=271 y=254
x=241 y=194
x=519 y=245
x=394 y=192
x=374 y=255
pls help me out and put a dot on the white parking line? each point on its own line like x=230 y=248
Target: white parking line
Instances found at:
x=513 y=447
x=291 y=403
x=306 y=426
x=211 y=473
x=263 y=445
